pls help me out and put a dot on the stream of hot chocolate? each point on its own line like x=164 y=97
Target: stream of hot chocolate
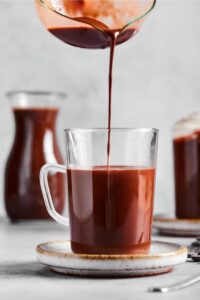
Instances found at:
x=86 y=37
x=113 y=36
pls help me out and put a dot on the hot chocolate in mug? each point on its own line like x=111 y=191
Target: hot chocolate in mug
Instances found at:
x=110 y=194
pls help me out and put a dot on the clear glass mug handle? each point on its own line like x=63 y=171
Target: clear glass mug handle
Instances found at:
x=46 y=192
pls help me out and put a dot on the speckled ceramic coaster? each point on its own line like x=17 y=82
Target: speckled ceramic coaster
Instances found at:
x=162 y=257
x=179 y=227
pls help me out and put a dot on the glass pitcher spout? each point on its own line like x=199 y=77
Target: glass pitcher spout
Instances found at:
x=100 y=14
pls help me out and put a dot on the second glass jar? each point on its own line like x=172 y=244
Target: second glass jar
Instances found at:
x=186 y=146
x=34 y=144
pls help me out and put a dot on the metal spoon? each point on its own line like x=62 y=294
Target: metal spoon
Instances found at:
x=176 y=286
x=193 y=254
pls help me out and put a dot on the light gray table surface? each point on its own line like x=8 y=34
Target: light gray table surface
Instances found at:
x=22 y=277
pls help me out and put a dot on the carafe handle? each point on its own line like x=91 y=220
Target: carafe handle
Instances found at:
x=46 y=192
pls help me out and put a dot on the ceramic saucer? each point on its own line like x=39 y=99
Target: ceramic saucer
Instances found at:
x=178 y=227
x=162 y=257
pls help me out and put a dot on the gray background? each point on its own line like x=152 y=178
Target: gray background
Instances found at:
x=156 y=77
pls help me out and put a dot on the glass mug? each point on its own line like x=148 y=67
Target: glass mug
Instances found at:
x=110 y=207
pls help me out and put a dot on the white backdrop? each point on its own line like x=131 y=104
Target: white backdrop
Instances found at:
x=156 y=77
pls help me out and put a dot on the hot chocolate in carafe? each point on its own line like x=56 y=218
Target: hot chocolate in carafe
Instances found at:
x=34 y=144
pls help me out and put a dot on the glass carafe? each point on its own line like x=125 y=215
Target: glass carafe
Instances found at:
x=89 y=23
x=34 y=144
x=186 y=144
